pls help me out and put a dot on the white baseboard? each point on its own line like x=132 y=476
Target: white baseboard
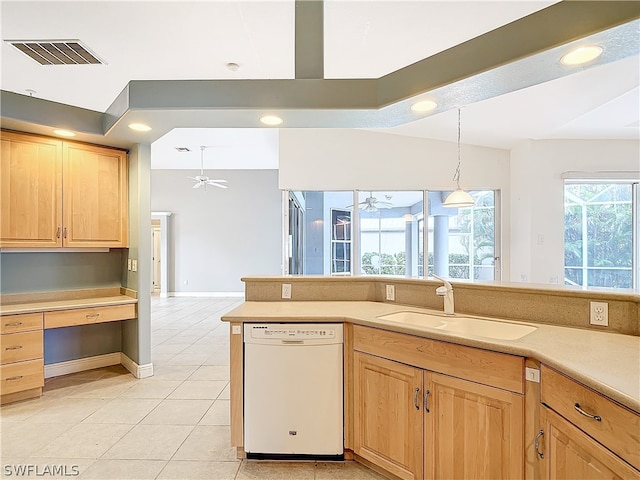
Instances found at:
x=138 y=371
x=98 y=361
x=81 y=364
x=206 y=294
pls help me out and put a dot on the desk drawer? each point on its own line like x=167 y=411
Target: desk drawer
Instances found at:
x=15 y=347
x=17 y=377
x=21 y=323
x=617 y=427
x=85 y=316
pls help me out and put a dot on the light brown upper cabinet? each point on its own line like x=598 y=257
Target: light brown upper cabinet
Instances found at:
x=62 y=194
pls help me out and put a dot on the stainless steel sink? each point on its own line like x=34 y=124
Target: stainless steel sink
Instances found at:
x=477 y=327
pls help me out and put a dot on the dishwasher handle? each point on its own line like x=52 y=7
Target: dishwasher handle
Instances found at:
x=293 y=342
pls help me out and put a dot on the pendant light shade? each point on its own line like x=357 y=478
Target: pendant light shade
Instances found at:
x=458 y=198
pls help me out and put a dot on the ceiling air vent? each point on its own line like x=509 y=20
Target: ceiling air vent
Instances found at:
x=183 y=149
x=57 y=52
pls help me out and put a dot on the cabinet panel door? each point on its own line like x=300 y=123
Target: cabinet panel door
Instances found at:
x=387 y=424
x=571 y=454
x=472 y=431
x=30 y=185
x=95 y=196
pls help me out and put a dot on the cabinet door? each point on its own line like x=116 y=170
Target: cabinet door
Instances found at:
x=571 y=454
x=472 y=431
x=30 y=185
x=95 y=196
x=388 y=415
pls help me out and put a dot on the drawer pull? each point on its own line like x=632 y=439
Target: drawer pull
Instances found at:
x=426 y=400
x=536 y=444
x=13 y=379
x=15 y=347
x=13 y=324
x=416 y=393
x=597 y=418
x=92 y=315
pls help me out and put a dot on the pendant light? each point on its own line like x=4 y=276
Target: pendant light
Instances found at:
x=458 y=198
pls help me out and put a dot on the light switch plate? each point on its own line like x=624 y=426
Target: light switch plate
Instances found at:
x=286 y=290
x=134 y=265
x=391 y=293
x=236 y=330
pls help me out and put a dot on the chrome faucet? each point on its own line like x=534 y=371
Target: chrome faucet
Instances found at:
x=445 y=291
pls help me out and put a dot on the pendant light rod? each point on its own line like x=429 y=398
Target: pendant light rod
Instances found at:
x=459 y=198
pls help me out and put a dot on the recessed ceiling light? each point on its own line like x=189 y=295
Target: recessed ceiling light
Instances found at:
x=424 y=106
x=64 y=133
x=581 y=55
x=139 y=127
x=271 y=120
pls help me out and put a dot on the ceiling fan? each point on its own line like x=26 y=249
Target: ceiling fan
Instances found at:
x=372 y=204
x=202 y=179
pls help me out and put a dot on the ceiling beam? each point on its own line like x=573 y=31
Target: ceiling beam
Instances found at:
x=518 y=55
x=309 y=39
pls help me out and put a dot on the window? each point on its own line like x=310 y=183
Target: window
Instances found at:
x=389 y=236
x=462 y=241
x=340 y=242
x=386 y=233
x=600 y=237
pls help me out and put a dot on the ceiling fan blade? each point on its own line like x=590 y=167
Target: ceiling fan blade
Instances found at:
x=197 y=185
x=216 y=180
x=216 y=184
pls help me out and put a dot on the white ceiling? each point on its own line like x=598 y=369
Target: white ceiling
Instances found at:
x=362 y=39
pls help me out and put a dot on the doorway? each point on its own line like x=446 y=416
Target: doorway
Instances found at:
x=156 y=235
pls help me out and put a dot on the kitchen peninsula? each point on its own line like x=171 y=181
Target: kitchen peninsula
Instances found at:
x=564 y=395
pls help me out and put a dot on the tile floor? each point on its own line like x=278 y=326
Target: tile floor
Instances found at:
x=106 y=424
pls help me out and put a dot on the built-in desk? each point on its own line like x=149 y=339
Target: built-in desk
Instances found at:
x=24 y=317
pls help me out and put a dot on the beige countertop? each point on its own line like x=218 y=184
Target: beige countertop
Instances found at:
x=607 y=362
x=66 y=304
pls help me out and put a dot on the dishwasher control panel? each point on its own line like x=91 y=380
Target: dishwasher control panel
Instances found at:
x=304 y=332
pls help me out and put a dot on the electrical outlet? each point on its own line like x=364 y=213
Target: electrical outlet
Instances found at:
x=391 y=293
x=286 y=290
x=129 y=264
x=599 y=313
x=532 y=374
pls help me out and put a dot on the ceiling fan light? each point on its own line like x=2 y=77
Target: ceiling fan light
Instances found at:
x=458 y=199
x=582 y=55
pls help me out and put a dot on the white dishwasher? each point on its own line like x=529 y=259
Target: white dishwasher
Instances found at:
x=293 y=390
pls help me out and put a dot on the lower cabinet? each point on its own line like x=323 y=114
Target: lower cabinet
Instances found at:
x=585 y=435
x=572 y=454
x=418 y=424
x=21 y=357
x=388 y=419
